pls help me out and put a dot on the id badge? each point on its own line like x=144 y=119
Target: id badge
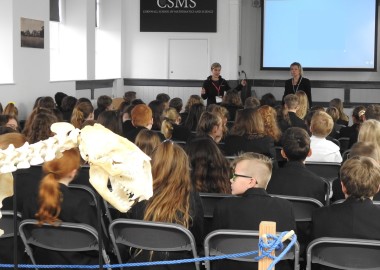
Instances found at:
x=218 y=99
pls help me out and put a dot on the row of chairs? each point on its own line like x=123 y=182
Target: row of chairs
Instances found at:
x=342 y=253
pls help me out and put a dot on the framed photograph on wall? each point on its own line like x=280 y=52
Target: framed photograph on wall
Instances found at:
x=32 y=33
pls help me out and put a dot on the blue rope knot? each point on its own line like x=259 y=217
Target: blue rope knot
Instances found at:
x=274 y=243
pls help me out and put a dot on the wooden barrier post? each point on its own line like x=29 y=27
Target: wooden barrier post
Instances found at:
x=266 y=227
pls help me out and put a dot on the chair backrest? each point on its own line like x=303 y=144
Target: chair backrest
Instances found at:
x=210 y=200
x=221 y=242
x=344 y=253
x=344 y=144
x=302 y=206
x=91 y=197
x=342 y=200
x=6 y=223
x=346 y=154
x=152 y=236
x=66 y=236
x=327 y=170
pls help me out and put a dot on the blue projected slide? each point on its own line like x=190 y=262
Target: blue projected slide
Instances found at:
x=325 y=34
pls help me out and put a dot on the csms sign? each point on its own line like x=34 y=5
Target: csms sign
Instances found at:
x=178 y=15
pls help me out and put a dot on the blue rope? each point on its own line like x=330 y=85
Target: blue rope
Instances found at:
x=274 y=243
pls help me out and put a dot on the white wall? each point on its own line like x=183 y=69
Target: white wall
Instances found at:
x=30 y=66
x=146 y=54
x=139 y=55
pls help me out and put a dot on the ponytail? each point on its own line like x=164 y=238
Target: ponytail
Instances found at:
x=49 y=199
x=77 y=118
x=167 y=128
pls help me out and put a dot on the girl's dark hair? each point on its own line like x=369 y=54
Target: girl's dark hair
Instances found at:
x=210 y=169
x=110 y=120
x=194 y=115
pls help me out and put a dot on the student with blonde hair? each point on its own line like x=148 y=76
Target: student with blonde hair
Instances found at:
x=56 y=203
x=173 y=201
x=248 y=135
x=289 y=118
x=322 y=149
x=370 y=132
x=170 y=126
x=303 y=106
x=250 y=176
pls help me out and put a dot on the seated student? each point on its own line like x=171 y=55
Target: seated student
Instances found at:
x=357 y=216
x=211 y=126
x=323 y=149
x=289 y=117
x=55 y=202
x=171 y=128
x=294 y=178
x=252 y=205
x=104 y=103
x=365 y=149
x=142 y=118
x=248 y=135
x=174 y=201
x=334 y=113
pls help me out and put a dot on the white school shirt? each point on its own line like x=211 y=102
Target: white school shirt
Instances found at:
x=324 y=150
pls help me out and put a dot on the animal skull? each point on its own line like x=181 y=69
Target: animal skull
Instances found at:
x=111 y=157
x=115 y=158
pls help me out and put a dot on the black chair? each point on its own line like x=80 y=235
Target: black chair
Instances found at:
x=344 y=144
x=209 y=201
x=91 y=196
x=221 y=242
x=152 y=236
x=6 y=240
x=303 y=208
x=280 y=159
x=344 y=253
x=66 y=237
x=340 y=201
x=346 y=154
x=327 y=170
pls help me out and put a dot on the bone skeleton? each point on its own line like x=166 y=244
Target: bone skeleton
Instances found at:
x=110 y=156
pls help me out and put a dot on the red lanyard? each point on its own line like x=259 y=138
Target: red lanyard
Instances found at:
x=216 y=87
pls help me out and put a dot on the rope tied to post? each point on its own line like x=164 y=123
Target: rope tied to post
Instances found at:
x=267 y=244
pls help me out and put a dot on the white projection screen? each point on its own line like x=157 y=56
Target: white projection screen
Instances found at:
x=320 y=34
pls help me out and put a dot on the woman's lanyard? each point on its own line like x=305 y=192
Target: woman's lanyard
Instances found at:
x=298 y=85
x=216 y=87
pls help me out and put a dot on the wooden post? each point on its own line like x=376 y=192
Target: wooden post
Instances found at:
x=266 y=227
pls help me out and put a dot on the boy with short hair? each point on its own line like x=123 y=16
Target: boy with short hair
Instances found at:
x=323 y=150
x=357 y=216
x=294 y=178
x=250 y=178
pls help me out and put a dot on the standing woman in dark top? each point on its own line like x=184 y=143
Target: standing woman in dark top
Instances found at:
x=297 y=82
x=215 y=86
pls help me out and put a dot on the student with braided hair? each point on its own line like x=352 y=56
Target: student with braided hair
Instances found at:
x=56 y=203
